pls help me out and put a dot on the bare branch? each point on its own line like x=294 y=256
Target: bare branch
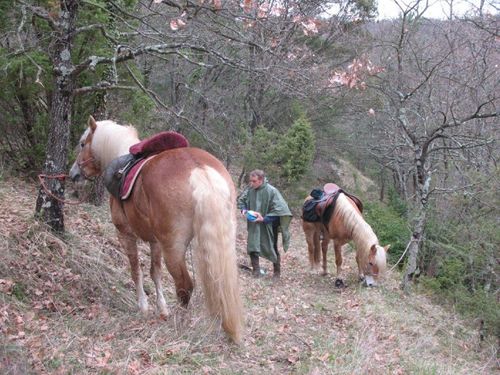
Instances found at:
x=155 y=97
x=41 y=13
x=101 y=86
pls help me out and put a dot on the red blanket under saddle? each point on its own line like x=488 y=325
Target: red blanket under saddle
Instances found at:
x=147 y=150
x=131 y=176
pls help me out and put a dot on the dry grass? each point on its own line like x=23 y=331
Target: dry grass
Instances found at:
x=67 y=306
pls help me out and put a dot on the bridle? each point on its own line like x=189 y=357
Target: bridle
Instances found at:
x=82 y=164
x=369 y=269
x=85 y=162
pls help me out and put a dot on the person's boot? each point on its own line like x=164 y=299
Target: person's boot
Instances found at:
x=277 y=267
x=254 y=258
x=277 y=270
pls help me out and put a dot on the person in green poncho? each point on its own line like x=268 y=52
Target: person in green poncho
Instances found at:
x=270 y=215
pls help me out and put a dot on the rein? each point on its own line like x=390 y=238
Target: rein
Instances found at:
x=402 y=255
x=60 y=177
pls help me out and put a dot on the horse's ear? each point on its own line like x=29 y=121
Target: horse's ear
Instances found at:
x=373 y=249
x=387 y=247
x=92 y=124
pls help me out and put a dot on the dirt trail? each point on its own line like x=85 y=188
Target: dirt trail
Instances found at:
x=67 y=305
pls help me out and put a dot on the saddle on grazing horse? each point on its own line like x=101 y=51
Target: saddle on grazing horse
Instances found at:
x=321 y=209
x=122 y=172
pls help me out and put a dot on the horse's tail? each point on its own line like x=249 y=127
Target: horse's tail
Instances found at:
x=214 y=244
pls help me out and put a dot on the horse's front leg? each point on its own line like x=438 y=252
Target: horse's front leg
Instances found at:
x=324 y=251
x=155 y=271
x=361 y=274
x=339 y=282
x=129 y=244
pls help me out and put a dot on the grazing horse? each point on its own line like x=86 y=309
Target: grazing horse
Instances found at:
x=345 y=224
x=181 y=194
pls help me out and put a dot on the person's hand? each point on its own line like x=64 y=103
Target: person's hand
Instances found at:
x=259 y=219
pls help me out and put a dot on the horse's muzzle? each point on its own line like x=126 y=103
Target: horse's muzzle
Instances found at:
x=75 y=173
x=369 y=280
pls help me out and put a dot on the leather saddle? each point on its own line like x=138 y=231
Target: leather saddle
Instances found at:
x=122 y=172
x=324 y=207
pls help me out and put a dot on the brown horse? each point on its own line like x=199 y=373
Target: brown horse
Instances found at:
x=182 y=194
x=346 y=224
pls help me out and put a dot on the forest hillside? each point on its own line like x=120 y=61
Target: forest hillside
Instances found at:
x=67 y=305
x=401 y=112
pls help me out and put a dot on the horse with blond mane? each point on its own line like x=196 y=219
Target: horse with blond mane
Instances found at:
x=344 y=224
x=181 y=195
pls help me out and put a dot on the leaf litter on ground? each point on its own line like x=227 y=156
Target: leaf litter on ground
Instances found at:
x=67 y=305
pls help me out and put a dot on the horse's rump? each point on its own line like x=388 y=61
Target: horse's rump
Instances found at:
x=163 y=196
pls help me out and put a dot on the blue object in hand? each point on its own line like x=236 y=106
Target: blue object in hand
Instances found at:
x=251 y=215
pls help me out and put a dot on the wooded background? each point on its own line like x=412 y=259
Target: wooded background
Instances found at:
x=292 y=87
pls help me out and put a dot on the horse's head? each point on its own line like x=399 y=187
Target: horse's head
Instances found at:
x=85 y=165
x=377 y=264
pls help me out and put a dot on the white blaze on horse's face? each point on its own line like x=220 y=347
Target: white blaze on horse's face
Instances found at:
x=377 y=264
x=76 y=174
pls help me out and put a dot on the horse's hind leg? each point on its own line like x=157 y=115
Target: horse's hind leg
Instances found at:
x=129 y=244
x=310 y=240
x=175 y=260
x=317 y=249
x=161 y=305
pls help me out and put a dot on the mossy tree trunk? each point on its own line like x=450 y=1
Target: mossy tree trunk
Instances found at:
x=49 y=205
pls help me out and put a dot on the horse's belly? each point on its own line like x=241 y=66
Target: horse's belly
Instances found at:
x=139 y=224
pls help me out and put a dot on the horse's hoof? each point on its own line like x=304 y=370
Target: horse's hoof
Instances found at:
x=163 y=313
x=163 y=316
x=143 y=307
x=339 y=283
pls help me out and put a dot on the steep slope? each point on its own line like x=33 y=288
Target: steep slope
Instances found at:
x=67 y=306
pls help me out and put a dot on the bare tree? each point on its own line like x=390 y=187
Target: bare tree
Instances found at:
x=440 y=103
x=258 y=37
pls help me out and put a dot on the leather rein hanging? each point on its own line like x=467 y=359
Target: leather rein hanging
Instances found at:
x=60 y=177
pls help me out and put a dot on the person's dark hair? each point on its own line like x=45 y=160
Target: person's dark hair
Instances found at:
x=257 y=173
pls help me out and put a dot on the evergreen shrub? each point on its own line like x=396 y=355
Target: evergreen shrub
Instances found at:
x=285 y=158
x=390 y=227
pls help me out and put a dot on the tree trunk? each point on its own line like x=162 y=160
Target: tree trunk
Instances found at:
x=382 y=185
x=49 y=206
x=414 y=247
x=241 y=177
x=418 y=228
x=97 y=188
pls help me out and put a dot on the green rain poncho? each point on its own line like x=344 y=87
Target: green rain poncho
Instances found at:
x=267 y=200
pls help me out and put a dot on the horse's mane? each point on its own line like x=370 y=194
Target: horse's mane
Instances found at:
x=111 y=140
x=362 y=233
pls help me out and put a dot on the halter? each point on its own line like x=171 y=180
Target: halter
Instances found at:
x=83 y=164
x=369 y=270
